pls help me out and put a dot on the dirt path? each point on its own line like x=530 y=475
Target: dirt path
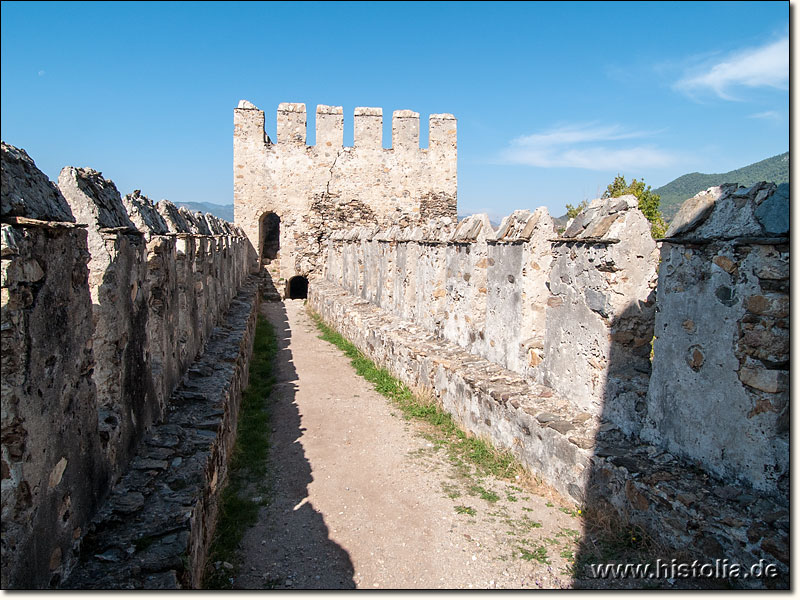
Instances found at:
x=361 y=499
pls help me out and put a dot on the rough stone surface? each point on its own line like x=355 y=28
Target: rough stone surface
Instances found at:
x=173 y=218
x=117 y=275
x=144 y=215
x=773 y=213
x=92 y=355
x=719 y=389
x=462 y=283
x=155 y=529
x=730 y=211
x=27 y=192
x=53 y=473
x=317 y=189
x=93 y=199
x=599 y=319
x=693 y=212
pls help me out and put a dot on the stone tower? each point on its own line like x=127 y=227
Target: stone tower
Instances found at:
x=289 y=196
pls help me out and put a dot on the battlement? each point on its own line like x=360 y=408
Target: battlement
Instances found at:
x=292 y=125
x=330 y=126
x=368 y=127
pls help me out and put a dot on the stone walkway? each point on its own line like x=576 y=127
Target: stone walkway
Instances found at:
x=361 y=499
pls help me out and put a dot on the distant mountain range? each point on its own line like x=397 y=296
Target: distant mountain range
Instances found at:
x=495 y=222
x=221 y=211
x=674 y=193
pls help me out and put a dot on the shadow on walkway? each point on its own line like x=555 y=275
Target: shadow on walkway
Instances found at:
x=290 y=547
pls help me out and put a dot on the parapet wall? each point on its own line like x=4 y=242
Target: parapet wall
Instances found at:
x=318 y=189
x=552 y=309
x=155 y=529
x=654 y=383
x=101 y=319
x=719 y=393
x=579 y=313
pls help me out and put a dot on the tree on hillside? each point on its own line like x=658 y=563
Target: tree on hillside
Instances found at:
x=648 y=202
x=574 y=211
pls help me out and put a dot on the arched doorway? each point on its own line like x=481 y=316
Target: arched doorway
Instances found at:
x=269 y=228
x=297 y=287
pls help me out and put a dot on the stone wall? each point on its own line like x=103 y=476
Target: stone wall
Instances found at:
x=719 y=393
x=600 y=314
x=318 y=189
x=101 y=320
x=53 y=471
x=155 y=530
x=544 y=344
x=555 y=309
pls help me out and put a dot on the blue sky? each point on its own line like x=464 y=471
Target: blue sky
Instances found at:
x=552 y=99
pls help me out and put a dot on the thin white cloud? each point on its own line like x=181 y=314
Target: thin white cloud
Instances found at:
x=586 y=146
x=768 y=115
x=765 y=66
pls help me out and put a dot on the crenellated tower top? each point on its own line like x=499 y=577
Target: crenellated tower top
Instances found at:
x=367 y=127
x=315 y=189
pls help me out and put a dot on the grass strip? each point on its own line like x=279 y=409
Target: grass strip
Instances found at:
x=487 y=459
x=248 y=466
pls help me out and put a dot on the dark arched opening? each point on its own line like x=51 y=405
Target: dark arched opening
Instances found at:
x=297 y=287
x=270 y=233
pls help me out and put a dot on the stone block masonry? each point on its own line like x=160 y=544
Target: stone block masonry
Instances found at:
x=314 y=190
x=101 y=319
x=542 y=343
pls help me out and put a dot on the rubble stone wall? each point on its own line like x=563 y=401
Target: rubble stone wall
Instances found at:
x=53 y=471
x=105 y=304
x=318 y=189
x=155 y=529
x=600 y=313
x=651 y=382
x=719 y=392
x=555 y=309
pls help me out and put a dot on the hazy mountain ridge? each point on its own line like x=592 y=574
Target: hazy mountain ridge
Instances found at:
x=221 y=211
x=677 y=191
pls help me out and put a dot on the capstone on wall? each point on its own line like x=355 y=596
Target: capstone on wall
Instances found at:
x=100 y=321
x=315 y=190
